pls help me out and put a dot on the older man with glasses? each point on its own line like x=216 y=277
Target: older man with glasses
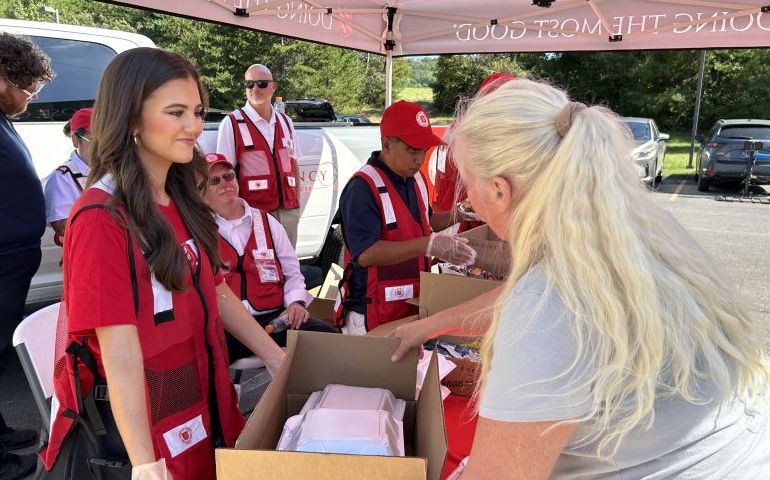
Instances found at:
x=261 y=144
x=24 y=69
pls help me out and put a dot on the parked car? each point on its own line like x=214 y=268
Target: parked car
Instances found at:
x=650 y=148
x=310 y=110
x=723 y=156
x=353 y=118
x=79 y=55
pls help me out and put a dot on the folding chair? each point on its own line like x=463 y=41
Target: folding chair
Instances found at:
x=35 y=340
x=251 y=379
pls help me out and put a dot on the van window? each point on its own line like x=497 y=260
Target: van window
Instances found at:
x=78 y=66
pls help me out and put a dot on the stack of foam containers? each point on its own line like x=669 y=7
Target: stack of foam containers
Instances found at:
x=345 y=419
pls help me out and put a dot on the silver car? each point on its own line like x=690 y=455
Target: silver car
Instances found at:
x=649 y=150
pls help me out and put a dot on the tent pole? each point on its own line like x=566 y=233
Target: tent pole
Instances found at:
x=388 y=78
x=697 y=106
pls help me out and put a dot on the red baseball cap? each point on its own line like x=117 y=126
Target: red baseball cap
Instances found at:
x=217 y=159
x=408 y=122
x=493 y=82
x=81 y=119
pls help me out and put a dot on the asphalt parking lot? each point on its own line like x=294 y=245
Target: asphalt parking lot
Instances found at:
x=736 y=233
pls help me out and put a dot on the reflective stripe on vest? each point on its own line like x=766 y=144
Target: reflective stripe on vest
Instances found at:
x=387 y=205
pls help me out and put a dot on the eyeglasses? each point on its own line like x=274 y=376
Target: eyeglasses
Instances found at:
x=227 y=177
x=259 y=83
x=30 y=95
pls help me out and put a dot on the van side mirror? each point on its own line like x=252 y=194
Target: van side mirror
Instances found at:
x=663 y=136
x=700 y=138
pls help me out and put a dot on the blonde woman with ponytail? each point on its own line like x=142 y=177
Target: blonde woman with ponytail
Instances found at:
x=613 y=351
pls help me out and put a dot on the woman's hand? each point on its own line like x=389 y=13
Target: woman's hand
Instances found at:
x=412 y=335
x=298 y=314
x=151 y=471
x=273 y=362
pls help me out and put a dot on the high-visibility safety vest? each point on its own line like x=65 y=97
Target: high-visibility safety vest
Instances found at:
x=191 y=402
x=266 y=176
x=388 y=287
x=256 y=277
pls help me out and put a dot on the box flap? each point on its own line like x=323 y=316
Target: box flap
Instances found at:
x=430 y=436
x=261 y=431
x=439 y=292
x=492 y=254
x=366 y=363
x=275 y=465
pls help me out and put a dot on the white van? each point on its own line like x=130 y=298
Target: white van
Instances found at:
x=79 y=55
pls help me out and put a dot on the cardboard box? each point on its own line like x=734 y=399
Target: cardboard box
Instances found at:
x=492 y=254
x=322 y=306
x=439 y=292
x=314 y=360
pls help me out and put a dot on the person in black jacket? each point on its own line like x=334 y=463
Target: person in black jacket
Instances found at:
x=24 y=70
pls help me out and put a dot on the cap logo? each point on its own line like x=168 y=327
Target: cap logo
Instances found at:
x=211 y=157
x=422 y=119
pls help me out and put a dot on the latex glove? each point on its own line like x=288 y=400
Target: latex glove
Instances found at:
x=298 y=314
x=451 y=248
x=151 y=471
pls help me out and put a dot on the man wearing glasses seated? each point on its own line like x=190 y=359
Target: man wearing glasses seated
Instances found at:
x=261 y=266
x=261 y=144
x=24 y=69
x=66 y=183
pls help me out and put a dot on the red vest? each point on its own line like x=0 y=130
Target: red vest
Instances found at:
x=185 y=360
x=256 y=276
x=449 y=188
x=266 y=176
x=388 y=286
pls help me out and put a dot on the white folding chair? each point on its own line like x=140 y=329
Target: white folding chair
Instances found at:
x=35 y=341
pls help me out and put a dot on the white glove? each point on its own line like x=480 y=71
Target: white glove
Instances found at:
x=451 y=248
x=151 y=471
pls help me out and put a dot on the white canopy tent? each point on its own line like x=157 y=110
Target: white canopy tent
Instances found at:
x=427 y=27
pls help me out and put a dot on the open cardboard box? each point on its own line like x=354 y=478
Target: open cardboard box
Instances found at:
x=314 y=360
x=492 y=254
x=439 y=292
x=322 y=306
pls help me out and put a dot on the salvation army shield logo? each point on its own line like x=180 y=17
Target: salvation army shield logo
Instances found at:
x=185 y=435
x=422 y=119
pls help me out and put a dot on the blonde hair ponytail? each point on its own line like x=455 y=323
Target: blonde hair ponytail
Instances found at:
x=651 y=310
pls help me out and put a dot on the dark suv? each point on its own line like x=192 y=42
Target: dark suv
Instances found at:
x=310 y=110
x=723 y=156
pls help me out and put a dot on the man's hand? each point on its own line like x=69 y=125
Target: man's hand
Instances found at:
x=298 y=314
x=451 y=248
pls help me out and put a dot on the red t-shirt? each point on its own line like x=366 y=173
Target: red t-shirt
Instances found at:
x=97 y=269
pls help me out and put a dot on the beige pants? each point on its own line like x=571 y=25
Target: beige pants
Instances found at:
x=354 y=324
x=290 y=220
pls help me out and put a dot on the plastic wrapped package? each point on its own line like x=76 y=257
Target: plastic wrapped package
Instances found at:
x=345 y=419
x=356 y=432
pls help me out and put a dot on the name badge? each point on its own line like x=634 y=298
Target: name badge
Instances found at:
x=257 y=185
x=292 y=181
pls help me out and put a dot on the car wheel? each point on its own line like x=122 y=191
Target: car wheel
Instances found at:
x=704 y=183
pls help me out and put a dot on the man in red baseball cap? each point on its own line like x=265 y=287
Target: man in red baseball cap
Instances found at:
x=66 y=183
x=386 y=226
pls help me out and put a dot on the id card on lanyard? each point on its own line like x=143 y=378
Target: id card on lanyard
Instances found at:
x=264 y=258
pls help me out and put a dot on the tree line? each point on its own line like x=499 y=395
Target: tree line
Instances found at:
x=656 y=84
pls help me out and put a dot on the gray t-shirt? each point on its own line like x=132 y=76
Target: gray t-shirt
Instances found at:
x=535 y=345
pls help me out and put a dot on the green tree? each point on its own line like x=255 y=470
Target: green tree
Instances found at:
x=459 y=76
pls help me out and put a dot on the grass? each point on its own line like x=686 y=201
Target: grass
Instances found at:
x=417 y=94
x=678 y=154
